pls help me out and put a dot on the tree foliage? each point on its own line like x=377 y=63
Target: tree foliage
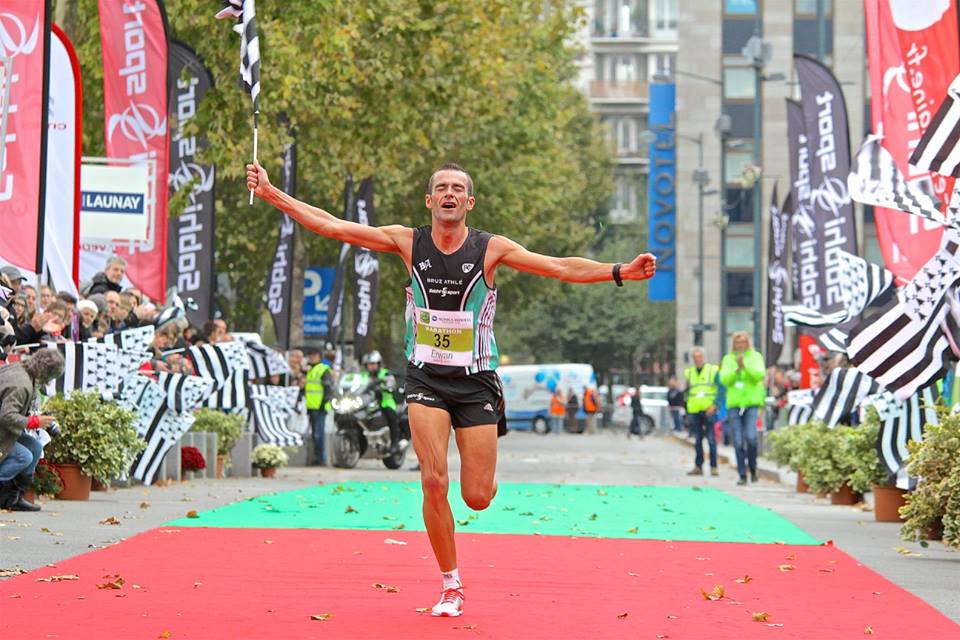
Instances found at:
x=393 y=89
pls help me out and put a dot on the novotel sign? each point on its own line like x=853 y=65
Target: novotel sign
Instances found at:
x=114 y=202
x=662 y=192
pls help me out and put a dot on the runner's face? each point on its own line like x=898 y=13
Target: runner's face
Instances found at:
x=448 y=200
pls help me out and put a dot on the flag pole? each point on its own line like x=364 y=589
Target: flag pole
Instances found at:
x=254 y=149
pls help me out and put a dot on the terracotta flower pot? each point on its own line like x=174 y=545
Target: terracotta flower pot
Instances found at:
x=268 y=472
x=221 y=466
x=845 y=496
x=887 y=502
x=76 y=484
x=934 y=531
x=802 y=484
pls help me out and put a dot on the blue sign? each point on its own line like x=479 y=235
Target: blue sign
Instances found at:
x=111 y=202
x=317 y=286
x=740 y=7
x=662 y=191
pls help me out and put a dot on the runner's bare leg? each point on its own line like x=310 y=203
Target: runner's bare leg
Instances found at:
x=478 y=464
x=430 y=429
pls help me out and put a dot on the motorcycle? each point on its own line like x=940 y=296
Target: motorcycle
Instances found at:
x=362 y=430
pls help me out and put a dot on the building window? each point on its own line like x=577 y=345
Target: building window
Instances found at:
x=809 y=7
x=740 y=7
x=626 y=202
x=739 y=204
x=620 y=19
x=664 y=18
x=739 y=289
x=737 y=161
x=625 y=132
x=661 y=64
x=738 y=320
x=739 y=83
x=740 y=251
x=620 y=67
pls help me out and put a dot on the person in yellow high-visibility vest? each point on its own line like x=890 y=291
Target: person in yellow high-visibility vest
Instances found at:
x=701 y=407
x=318 y=391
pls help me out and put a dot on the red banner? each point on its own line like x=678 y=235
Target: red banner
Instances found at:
x=24 y=43
x=913 y=55
x=133 y=34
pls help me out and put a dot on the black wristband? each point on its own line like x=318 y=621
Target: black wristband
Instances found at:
x=616 y=274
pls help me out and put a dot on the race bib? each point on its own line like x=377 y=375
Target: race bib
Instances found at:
x=444 y=337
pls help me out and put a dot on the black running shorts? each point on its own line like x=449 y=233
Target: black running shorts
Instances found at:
x=470 y=400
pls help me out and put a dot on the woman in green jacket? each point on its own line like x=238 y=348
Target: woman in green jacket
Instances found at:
x=742 y=373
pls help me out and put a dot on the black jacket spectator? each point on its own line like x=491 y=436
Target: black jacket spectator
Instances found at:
x=102 y=285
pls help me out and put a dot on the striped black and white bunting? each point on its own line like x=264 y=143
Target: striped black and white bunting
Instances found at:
x=137 y=339
x=269 y=417
x=184 y=392
x=939 y=147
x=218 y=360
x=264 y=362
x=903 y=421
x=232 y=395
x=800 y=406
x=834 y=340
x=842 y=394
x=86 y=367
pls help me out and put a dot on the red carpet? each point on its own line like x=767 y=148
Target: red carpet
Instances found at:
x=208 y=584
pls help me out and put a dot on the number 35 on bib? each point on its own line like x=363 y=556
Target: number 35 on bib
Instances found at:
x=444 y=337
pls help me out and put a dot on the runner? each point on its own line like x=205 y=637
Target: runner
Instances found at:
x=451 y=301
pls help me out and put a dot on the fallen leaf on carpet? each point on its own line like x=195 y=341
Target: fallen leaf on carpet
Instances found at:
x=385 y=587
x=673 y=617
x=825 y=570
x=14 y=596
x=743 y=580
x=601 y=492
x=593 y=516
x=791 y=557
x=467 y=626
x=527 y=513
x=906 y=552
x=631 y=573
x=392 y=541
x=196 y=585
x=192 y=514
x=760 y=616
x=779 y=542
x=164 y=635
x=786 y=567
x=63 y=578
x=622 y=616
x=389 y=518
x=350 y=509
x=716 y=594
x=661 y=636
x=321 y=616
x=13 y=537
x=509 y=508
x=268 y=542
x=633 y=530
x=113 y=582
x=136 y=586
x=398 y=527
x=422 y=609
x=463 y=523
x=868 y=631
x=144 y=504
x=9 y=573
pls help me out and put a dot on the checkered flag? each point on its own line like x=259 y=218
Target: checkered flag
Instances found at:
x=877 y=181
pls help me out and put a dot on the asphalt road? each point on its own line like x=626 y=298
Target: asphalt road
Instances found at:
x=64 y=529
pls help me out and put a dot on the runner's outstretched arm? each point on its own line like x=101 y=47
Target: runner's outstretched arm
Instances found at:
x=571 y=269
x=387 y=238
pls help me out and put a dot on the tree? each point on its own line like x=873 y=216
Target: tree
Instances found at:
x=393 y=89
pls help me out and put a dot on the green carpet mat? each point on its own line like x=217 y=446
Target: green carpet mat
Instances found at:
x=658 y=513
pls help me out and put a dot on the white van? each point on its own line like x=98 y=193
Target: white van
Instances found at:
x=527 y=389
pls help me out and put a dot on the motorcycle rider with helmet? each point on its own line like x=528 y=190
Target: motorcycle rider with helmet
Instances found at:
x=375 y=373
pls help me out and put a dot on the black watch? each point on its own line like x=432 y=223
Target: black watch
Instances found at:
x=616 y=274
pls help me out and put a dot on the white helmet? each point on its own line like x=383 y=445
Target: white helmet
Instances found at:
x=373 y=357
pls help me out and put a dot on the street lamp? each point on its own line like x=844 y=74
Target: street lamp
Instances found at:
x=701 y=177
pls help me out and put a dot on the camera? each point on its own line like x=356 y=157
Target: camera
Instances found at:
x=53 y=429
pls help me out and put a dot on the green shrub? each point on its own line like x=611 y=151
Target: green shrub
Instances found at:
x=228 y=427
x=265 y=456
x=785 y=444
x=868 y=469
x=935 y=462
x=96 y=434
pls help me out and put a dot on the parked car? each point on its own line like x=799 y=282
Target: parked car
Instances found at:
x=527 y=390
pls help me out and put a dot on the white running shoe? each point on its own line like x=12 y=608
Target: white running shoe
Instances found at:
x=450 y=605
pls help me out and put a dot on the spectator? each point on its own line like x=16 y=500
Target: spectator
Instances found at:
x=297 y=375
x=72 y=329
x=47 y=295
x=675 y=403
x=573 y=408
x=213 y=333
x=88 y=318
x=19 y=452
x=116 y=312
x=17 y=306
x=110 y=278
x=742 y=372
x=14 y=277
x=31 y=295
x=701 y=408
x=319 y=391
x=44 y=326
x=558 y=407
x=222 y=324
x=591 y=405
x=636 y=407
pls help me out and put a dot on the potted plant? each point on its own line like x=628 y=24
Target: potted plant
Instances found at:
x=871 y=474
x=933 y=509
x=191 y=461
x=47 y=480
x=228 y=427
x=97 y=440
x=785 y=445
x=826 y=459
x=267 y=457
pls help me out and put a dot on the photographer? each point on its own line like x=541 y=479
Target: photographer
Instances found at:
x=19 y=452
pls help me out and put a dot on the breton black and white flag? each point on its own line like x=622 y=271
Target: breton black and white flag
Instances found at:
x=842 y=394
x=246 y=14
x=269 y=417
x=218 y=360
x=903 y=421
x=184 y=392
x=5 y=293
x=876 y=180
x=860 y=283
x=231 y=396
x=87 y=366
x=834 y=340
x=800 y=406
x=264 y=362
x=939 y=147
x=137 y=339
